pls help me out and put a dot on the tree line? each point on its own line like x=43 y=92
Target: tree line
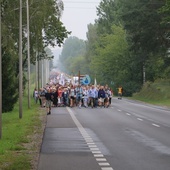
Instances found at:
x=45 y=29
x=127 y=45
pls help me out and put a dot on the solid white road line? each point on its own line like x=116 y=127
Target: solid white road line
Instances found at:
x=94 y=149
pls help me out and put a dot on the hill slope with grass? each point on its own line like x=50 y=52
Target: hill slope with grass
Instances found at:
x=157 y=92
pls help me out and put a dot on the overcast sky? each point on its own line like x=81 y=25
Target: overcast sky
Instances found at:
x=78 y=14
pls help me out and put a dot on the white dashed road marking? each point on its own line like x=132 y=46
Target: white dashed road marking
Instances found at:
x=128 y=114
x=98 y=155
x=101 y=159
x=155 y=125
x=94 y=149
x=94 y=152
x=140 y=119
x=107 y=168
x=91 y=144
x=104 y=164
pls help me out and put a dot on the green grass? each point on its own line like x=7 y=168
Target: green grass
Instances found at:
x=157 y=93
x=16 y=134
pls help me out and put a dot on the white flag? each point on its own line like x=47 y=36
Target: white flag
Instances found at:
x=95 y=82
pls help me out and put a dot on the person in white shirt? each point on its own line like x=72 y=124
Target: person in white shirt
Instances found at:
x=85 y=96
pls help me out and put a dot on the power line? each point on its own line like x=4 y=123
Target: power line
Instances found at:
x=78 y=8
x=78 y=2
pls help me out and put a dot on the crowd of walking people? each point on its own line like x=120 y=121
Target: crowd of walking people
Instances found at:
x=56 y=95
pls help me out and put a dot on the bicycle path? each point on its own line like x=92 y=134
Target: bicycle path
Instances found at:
x=63 y=146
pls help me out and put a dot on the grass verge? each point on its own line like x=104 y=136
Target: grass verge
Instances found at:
x=157 y=93
x=21 y=138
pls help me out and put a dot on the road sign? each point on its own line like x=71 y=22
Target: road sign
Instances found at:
x=86 y=80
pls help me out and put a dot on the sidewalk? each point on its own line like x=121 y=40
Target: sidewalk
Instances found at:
x=63 y=147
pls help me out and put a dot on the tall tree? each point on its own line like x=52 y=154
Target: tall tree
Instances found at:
x=145 y=33
x=9 y=81
x=73 y=47
x=45 y=29
x=106 y=16
x=109 y=64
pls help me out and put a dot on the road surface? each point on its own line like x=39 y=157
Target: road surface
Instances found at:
x=129 y=135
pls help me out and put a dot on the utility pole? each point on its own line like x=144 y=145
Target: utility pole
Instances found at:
x=79 y=77
x=144 y=73
x=42 y=73
x=28 y=53
x=36 y=70
x=46 y=72
x=20 y=61
x=0 y=77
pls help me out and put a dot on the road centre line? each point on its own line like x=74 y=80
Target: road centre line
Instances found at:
x=140 y=119
x=155 y=125
x=93 y=148
x=119 y=110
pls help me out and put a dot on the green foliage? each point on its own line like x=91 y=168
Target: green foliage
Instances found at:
x=129 y=39
x=113 y=60
x=77 y=64
x=45 y=29
x=106 y=16
x=142 y=22
x=72 y=50
x=9 y=82
x=164 y=12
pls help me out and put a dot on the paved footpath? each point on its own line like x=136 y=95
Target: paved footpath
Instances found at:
x=63 y=146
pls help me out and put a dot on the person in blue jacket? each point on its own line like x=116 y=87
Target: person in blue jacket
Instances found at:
x=101 y=96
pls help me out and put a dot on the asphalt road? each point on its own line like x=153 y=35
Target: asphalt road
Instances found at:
x=127 y=136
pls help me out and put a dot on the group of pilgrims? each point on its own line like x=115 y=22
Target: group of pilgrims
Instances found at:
x=56 y=95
